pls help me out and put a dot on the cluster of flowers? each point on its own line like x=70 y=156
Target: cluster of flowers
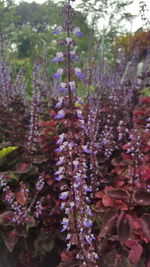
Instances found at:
x=72 y=166
x=76 y=192
x=18 y=201
x=35 y=108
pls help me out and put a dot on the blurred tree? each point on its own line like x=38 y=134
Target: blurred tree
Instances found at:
x=108 y=19
x=7 y=16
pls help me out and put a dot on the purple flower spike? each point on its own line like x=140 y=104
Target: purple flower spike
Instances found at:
x=58 y=30
x=79 y=74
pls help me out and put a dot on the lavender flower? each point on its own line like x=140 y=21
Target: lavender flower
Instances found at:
x=60 y=115
x=77 y=32
x=59 y=57
x=63 y=87
x=57 y=74
x=58 y=30
x=73 y=86
x=63 y=195
x=79 y=74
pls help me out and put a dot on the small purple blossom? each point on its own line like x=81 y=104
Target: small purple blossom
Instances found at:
x=57 y=74
x=77 y=32
x=60 y=162
x=68 y=40
x=60 y=170
x=86 y=150
x=88 y=223
x=59 y=104
x=58 y=30
x=59 y=178
x=79 y=114
x=71 y=145
x=58 y=149
x=63 y=87
x=63 y=196
x=73 y=86
x=79 y=74
x=60 y=115
x=74 y=56
x=59 y=141
x=59 y=57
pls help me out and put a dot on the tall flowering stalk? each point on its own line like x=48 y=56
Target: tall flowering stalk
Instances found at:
x=5 y=79
x=72 y=166
x=35 y=108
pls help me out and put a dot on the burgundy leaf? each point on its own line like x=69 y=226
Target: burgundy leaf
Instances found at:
x=144 y=228
x=124 y=227
x=119 y=194
x=107 y=201
x=10 y=239
x=142 y=198
x=135 y=253
x=23 y=167
x=6 y=217
x=108 y=227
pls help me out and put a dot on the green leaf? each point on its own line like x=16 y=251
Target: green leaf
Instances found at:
x=6 y=151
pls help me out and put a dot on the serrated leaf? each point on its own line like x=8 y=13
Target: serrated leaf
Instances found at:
x=6 y=151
